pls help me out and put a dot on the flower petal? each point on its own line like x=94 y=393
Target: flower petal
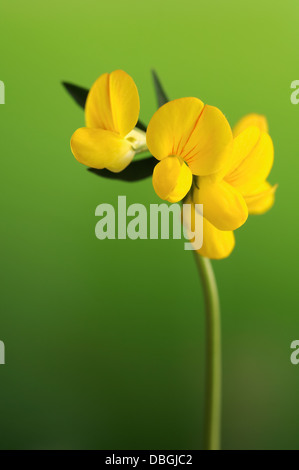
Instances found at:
x=206 y=150
x=171 y=126
x=262 y=200
x=217 y=244
x=113 y=103
x=223 y=205
x=187 y=128
x=257 y=120
x=172 y=179
x=240 y=149
x=252 y=160
x=99 y=149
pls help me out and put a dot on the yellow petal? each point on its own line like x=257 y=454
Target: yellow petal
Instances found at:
x=113 y=103
x=262 y=200
x=171 y=126
x=187 y=128
x=253 y=160
x=98 y=148
x=240 y=149
x=206 y=149
x=172 y=179
x=217 y=244
x=223 y=205
x=257 y=120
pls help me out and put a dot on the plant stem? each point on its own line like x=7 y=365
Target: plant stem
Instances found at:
x=212 y=429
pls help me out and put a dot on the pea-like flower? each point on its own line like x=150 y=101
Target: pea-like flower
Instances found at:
x=239 y=189
x=219 y=174
x=189 y=138
x=110 y=139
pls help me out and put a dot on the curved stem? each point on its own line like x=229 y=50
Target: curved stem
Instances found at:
x=213 y=354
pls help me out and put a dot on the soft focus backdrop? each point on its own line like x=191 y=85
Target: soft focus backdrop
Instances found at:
x=105 y=340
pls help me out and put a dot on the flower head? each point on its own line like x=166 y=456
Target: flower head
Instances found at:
x=189 y=138
x=109 y=139
x=239 y=189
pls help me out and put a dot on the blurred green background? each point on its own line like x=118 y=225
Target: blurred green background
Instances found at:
x=105 y=339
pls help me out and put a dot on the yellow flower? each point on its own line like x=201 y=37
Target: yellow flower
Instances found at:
x=109 y=139
x=189 y=138
x=217 y=244
x=239 y=189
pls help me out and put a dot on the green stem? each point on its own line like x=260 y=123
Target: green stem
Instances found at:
x=213 y=354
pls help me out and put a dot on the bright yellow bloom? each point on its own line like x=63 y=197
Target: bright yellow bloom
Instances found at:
x=237 y=190
x=217 y=244
x=256 y=120
x=189 y=138
x=109 y=139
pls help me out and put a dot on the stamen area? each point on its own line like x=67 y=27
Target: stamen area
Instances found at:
x=137 y=139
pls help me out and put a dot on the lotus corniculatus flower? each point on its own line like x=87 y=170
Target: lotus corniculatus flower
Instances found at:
x=110 y=139
x=221 y=174
x=189 y=138
x=239 y=189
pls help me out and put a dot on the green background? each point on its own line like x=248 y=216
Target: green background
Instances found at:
x=105 y=339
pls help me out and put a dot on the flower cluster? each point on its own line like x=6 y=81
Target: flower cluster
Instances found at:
x=200 y=159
